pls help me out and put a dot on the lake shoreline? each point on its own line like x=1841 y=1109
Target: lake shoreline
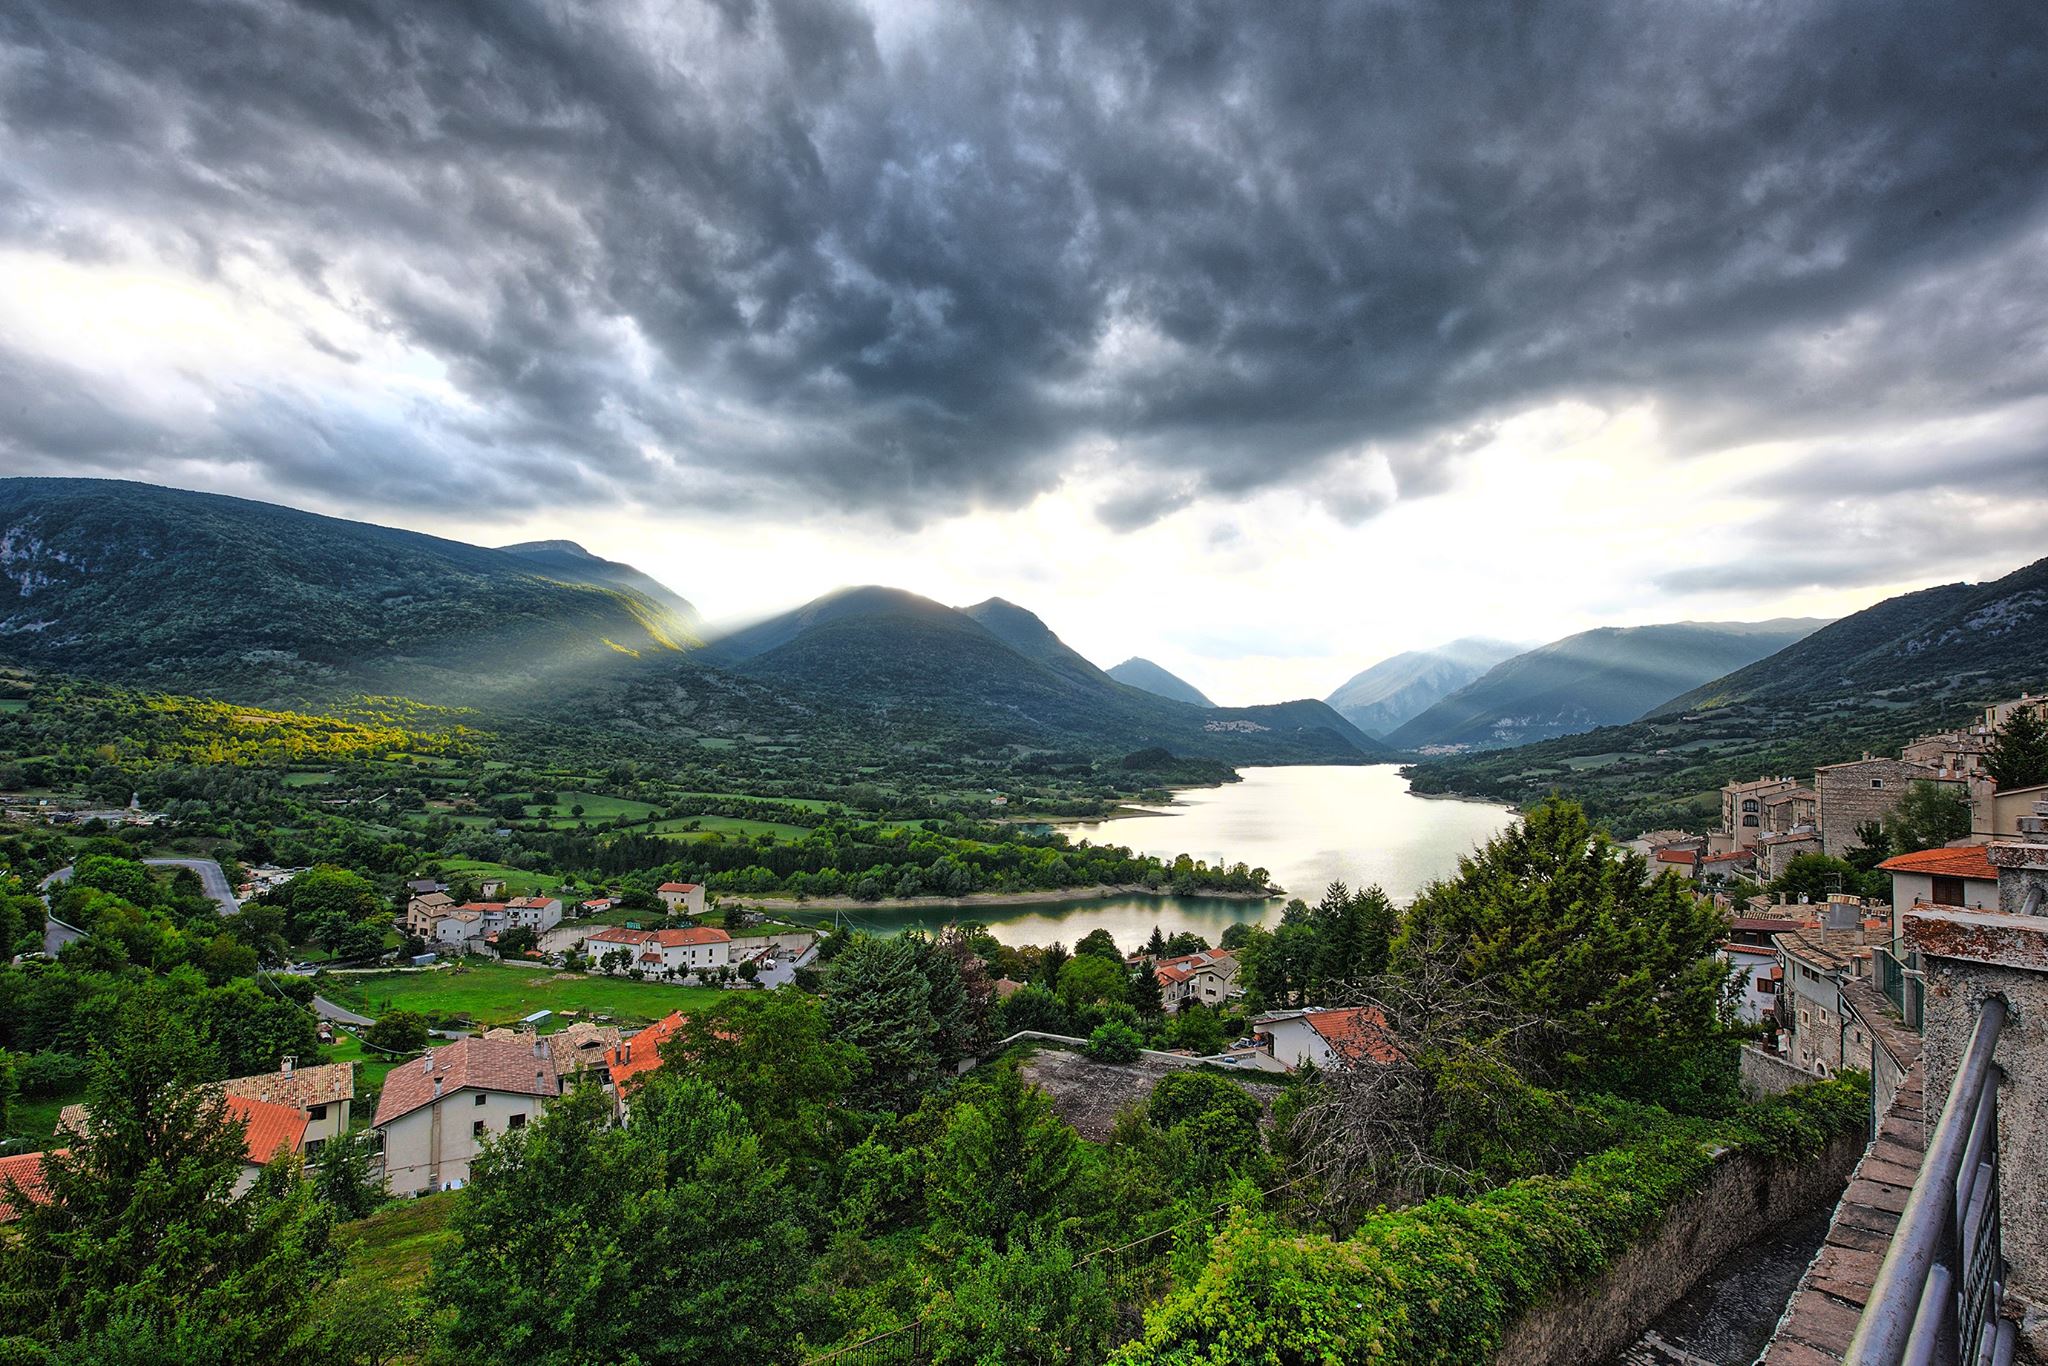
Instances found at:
x=1040 y=897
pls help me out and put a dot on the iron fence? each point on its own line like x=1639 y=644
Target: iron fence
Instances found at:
x=1938 y=1293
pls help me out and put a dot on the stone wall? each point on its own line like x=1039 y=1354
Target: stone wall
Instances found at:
x=1847 y=798
x=1766 y=1074
x=1745 y=1197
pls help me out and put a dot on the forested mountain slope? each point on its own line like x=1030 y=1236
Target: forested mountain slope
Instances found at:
x=1160 y=682
x=1402 y=687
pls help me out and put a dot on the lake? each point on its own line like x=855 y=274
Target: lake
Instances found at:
x=1306 y=826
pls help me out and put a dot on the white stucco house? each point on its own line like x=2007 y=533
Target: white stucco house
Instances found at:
x=435 y=1112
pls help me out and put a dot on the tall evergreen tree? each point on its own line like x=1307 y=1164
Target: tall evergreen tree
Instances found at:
x=999 y=1172
x=671 y=1241
x=143 y=1251
x=1577 y=934
x=2019 y=751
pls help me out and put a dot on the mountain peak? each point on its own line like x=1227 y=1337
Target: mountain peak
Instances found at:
x=1138 y=672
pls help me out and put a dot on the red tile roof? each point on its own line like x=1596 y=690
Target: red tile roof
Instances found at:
x=677 y=887
x=1355 y=1034
x=509 y=1065
x=1684 y=856
x=668 y=939
x=1969 y=861
x=272 y=1128
x=642 y=1052
x=26 y=1172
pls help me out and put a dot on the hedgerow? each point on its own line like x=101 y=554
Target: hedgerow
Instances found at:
x=1441 y=1282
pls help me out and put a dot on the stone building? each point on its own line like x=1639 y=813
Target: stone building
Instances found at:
x=1861 y=791
x=1775 y=852
x=1742 y=808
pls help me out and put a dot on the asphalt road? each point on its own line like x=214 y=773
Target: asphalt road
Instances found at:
x=328 y=1010
x=211 y=879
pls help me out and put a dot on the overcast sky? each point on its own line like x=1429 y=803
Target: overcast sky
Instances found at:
x=1260 y=339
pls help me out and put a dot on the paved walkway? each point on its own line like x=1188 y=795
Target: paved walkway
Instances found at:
x=1822 y=1317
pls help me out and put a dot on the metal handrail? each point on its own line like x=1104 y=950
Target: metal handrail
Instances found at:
x=1937 y=1293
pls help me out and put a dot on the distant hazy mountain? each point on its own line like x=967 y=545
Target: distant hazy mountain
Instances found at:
x=571 y=563
x=132 y=583
x=1980 y=639
x=1596 y=678
x=996 y=670
x=1398 y=689
x=1143 y=673
x=1909 y=665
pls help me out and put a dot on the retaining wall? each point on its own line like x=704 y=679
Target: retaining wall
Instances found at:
x=1744 y=1198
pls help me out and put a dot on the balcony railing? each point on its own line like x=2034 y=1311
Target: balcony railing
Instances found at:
x=1900 y=984
x=1937 y=1295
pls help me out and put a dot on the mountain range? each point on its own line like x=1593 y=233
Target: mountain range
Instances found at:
x=144 y=586
x=1907 y=666
x=1143 y=673
x=1595 y=678
x=1395 y=690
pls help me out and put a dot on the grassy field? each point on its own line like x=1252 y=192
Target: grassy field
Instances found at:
x=596 y=807
x=396 y=1245
x=36 y=1119
x=495 y=994
x=371 y=1066
x=519 y=881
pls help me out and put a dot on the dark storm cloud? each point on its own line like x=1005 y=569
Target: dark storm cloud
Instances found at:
x=767 y=250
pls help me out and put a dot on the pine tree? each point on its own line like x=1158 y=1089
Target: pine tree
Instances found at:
x=144 y=1251
x=2019 y=751
x=999 y=1172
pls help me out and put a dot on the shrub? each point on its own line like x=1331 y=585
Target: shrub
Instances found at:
x=1113 y=1041
x=45 y=1076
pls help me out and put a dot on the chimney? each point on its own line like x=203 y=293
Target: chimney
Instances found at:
x=288 y=1061
x=427 y=1063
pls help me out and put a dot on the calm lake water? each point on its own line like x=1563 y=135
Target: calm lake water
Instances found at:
x=1307 y=827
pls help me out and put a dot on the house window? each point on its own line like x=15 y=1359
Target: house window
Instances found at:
x=476 y=1130
x=1749 y=820
x=1948 y=891
x=1749 y=806
x=317 y=1112
x=1877 y=782
x=480 y=1097
x=518 y=1121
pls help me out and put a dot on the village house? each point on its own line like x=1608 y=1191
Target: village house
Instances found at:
x=1817 y=960
x=1995 y=812
x=435 y=1113
x=490 y=889
x=424 y=910
x=322 y=1094
x=269 y=1131
x=1961 y=752
x=1775 y=852
x=1682 y=859
x=1961 y=876
x=697 y=949
x=1731 y=865
x=534 y=913
x=681 y=898
x=1752 y=958
x=1742 y=809
x=1328 y=1037
x=1209 y=977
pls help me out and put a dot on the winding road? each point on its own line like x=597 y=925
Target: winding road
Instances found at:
x=212 y=879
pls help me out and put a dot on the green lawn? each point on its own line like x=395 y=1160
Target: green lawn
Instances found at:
x=800 y=803
x=371 y=1066
x=518 y=881
x=36 y=1119
x=596 y=808
x=396 y=1245
x=497 y=994
x=319 y=779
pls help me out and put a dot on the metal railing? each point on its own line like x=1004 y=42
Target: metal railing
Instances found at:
x=1899 y=979
x=1937 y=1295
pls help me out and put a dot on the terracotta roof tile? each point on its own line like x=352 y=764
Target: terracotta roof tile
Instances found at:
x=518 y=1066
x=642 y=1052
x=1355 y=1034
x=678 y=887
x=24 y=1171
x=301 y=1088
x=272 y=1129
x=1969 y=861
